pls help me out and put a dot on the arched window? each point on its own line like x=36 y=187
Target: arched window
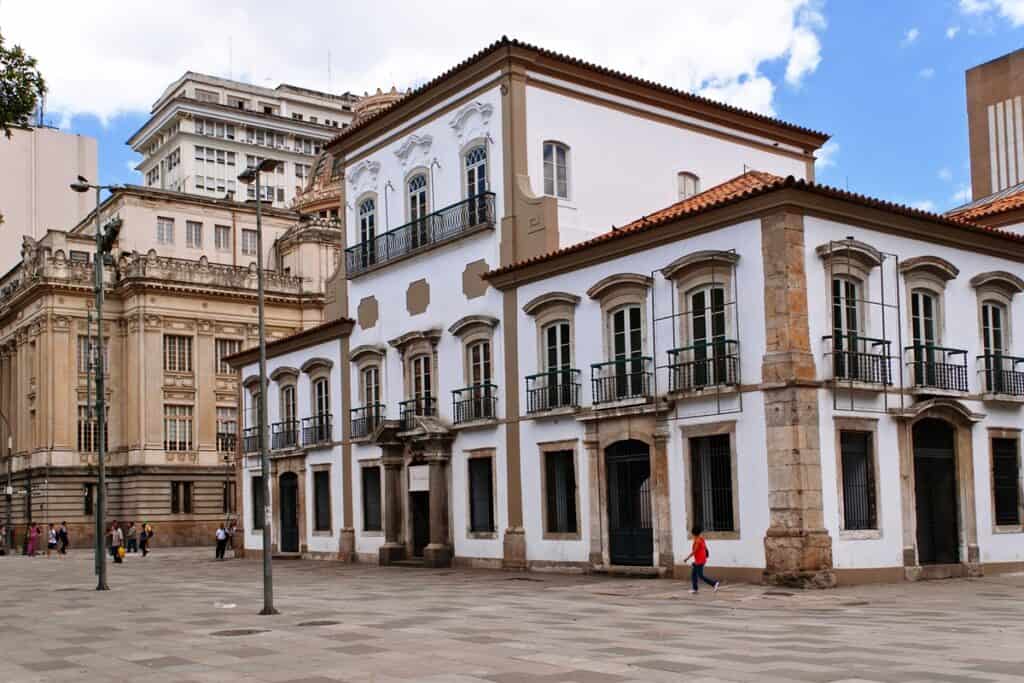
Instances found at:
x=993 y=330
x=556 y=170
x=707 y=335
x=924 y=328
x=417 y=203
x=368 y=230
x=689 y=184
x=476 y=184
x=847 y=328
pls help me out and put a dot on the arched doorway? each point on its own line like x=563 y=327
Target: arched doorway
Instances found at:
x=935 y=492
x=289 y=496
x=630 y=524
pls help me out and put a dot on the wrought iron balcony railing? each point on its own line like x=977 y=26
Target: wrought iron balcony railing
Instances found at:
x=554 y=389
x=284 y=434
x=251 y=439
x=316 y=429
x=478 y=402
x=937 y=367
x=364 y=420
x=226 y=442
x=423 y=406
x=436 y=227
x=704 y=365
x=1002 y=374
x=623 y=379
x=859 y=359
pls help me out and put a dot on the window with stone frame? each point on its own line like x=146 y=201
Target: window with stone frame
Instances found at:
x=225 y=348
x=87 y=354
x=481 y=494
x=164 y=230
x=560 y=505
x=250 y=242
x=1006 y=484
x=222 y=237
x=371 y=494
x=556 y=383
x=181 y=497
x=88 y=430
x=177 y=428
x=228 y=498
x=711 y=480
x=258 y=491
x=177 y=353
x=556 y=169
x=227 y=428
x=321 y=500
x=89 y=499
x=626 y=372
x=860 y=510
x=688 y=184
x=194 y=234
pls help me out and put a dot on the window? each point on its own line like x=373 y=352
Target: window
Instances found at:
x=165 y=230
x=88 y=499
x=249 y=242
x=476 y=183
x=367 y=230
x=258 y=507
x=711 y=482
x=87 y=354
x=193 y=234
x=222 y=237
x=707 y=336
x=237 y=102
x=288 y=403
x=560 y=492
x=993 y=331
x=479 y=360
x=689 y=185
x=227 y=428
x=225 y=348
x=1006 y=481
x=923 y=309
x=181 y=497
x=481 y=495
x=280 y=194
x=177 y=353
x=371 y=499
x=845 y=327
x=421 y=378
x=321 y=397
x=302 y=171
x=177 y=428
x=88 y=430
x=417 y=202
x=859 y=508
x=207 y=96
x=627 y=354
x=556 y=170
x=322 y=500
x=228 y=498
x=371 y=386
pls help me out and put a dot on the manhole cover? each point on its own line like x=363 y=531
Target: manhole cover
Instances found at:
x=781 y=594
x=239 y=632
x=321 y=622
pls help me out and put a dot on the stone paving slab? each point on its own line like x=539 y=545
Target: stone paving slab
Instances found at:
x=166 y=619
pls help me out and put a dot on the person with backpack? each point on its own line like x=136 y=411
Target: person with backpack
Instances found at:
x=699 y=553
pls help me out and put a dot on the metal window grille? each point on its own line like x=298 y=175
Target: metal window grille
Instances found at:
x=859 y=507
x=711 y=470
x=560 y=476
x=481 y=495
x=1006 y=481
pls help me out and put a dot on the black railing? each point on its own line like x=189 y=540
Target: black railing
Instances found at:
x=431 y=229
x=478 y=402
x=703 y=365
x=859 y=359
x=424 y=406
x=226 y=442
x=619 y=380
x=1002 y=374
x=937 y=367
x=251 y=439
x=364 y=420
x=316 y=429
x=553 y=389
x=284 y=434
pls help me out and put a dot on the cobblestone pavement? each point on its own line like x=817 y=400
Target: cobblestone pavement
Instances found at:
x=176 y=615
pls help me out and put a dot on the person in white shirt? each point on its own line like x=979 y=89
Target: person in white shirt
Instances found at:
x=222 y=541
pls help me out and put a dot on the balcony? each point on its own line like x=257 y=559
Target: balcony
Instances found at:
x=627 y=379
x=478 y=402
x=316 y=430
x=859 y=360
x=440 y=226
x=552 y=390
x=1001 y=374
x=423 y=406
x=704 y=365
x=364 y=420
x=251 y=440
x=284 y=434
x=937 y=367
x=226 y=442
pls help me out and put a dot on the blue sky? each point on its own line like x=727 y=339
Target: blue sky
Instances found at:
x=885 y=79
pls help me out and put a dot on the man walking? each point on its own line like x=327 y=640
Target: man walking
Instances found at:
x=131 y=538
x=116 y=541
x=222 y=541
x=63 y=538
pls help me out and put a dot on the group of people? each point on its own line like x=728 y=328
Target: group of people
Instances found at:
x=57 y=539
x=124 y=540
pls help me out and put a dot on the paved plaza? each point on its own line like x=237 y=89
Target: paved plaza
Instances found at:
x=180 y=616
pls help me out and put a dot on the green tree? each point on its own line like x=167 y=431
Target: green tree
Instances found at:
x=21 y=86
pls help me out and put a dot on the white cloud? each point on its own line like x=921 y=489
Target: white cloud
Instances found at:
x=97 y=65
x=1013 y=10
x=926 y=72
x=923 y=205
x=826 y=156
x=945 y=174
x=911 y=36
x=962 y=195
x=952 y=31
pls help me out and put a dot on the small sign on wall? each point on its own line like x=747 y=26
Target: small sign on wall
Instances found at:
x=419 y=478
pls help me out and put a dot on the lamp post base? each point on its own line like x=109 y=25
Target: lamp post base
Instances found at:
x=268 y=612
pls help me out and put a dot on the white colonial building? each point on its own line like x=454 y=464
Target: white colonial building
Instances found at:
x=542 y=367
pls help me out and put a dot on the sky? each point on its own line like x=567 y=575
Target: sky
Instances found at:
x=884 y=79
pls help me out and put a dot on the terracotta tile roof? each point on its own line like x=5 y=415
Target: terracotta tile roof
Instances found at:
x=1001 y=202
x=506 y=42
x=747 y=186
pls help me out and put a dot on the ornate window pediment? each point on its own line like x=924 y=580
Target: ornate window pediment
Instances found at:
x=366 y=351
x=472 y=121
x=857 y=258
x=620 y=282
x=284 y=373
x=363 y=176
x=472 y=324
x=549 y=299
x=999 y=280
x=934 y=266
x=314 y=364
x=414 y=150
x=685 y=266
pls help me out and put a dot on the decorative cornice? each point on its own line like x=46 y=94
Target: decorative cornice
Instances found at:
x=402 y=343
x=933 y=265
x=366 y=350
x=999 y=279
x=538 y=303
x=471 y=322
x=630 y=279
x=283 y=372
x=684 y=265
x=864 y=255
x=314 y=363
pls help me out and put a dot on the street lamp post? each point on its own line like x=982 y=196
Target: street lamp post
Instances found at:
x=104 y=241
x=249 y=175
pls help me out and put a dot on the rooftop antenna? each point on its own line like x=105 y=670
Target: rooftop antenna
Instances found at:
x=328 y=70
x=231 y=59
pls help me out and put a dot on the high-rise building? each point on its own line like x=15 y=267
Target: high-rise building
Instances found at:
x=203 y=130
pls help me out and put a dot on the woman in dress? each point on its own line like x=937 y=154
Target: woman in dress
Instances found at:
x=33 y=536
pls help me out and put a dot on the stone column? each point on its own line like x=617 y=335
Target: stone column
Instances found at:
x=661 y=502
x=347 y=532
x=798 y=549
x=438 y=552
x=392 y=461
x=598 y=519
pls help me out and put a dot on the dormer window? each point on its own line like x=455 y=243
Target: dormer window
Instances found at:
x=688 y=185
x=556 y=170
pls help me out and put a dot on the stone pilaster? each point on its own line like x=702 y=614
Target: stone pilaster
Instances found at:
x=438 y=552
x=798 y=549
x=392 y=461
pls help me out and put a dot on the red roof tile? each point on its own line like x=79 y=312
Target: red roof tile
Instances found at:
x=981 y=209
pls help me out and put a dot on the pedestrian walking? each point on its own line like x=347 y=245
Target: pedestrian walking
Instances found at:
x=232 y=530
x=51 y=540
x=33 y=536
x=132 y=538
x=145 y=538
x=699 y=553
x=116 y=542
x=222 y=542
x=63 y=538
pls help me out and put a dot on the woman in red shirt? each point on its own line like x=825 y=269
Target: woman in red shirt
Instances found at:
x=699 y=553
